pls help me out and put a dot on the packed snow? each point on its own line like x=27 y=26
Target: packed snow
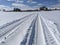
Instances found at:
x=31 y=27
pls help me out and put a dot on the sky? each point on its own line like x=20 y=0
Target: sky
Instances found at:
x=33 y=3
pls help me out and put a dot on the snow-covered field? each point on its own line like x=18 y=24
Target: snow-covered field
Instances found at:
x=53 y=16
x=17 y=24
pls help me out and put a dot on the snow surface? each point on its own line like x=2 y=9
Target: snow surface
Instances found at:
x=6 y=17
x=16 y=36
x=53 y=16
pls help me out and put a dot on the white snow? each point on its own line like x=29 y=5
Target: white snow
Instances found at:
x=6 y=17
x=53 y=16
x=20 y=31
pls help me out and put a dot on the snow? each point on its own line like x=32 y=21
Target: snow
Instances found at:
x=22 y=29
x=53 y=30
x=40 y=36
x=17 y=34
x=6 y=17
x=53 y=16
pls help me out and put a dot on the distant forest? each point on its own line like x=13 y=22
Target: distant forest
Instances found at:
x=43 y=8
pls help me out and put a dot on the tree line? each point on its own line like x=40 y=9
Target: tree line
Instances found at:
x=43 y=8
